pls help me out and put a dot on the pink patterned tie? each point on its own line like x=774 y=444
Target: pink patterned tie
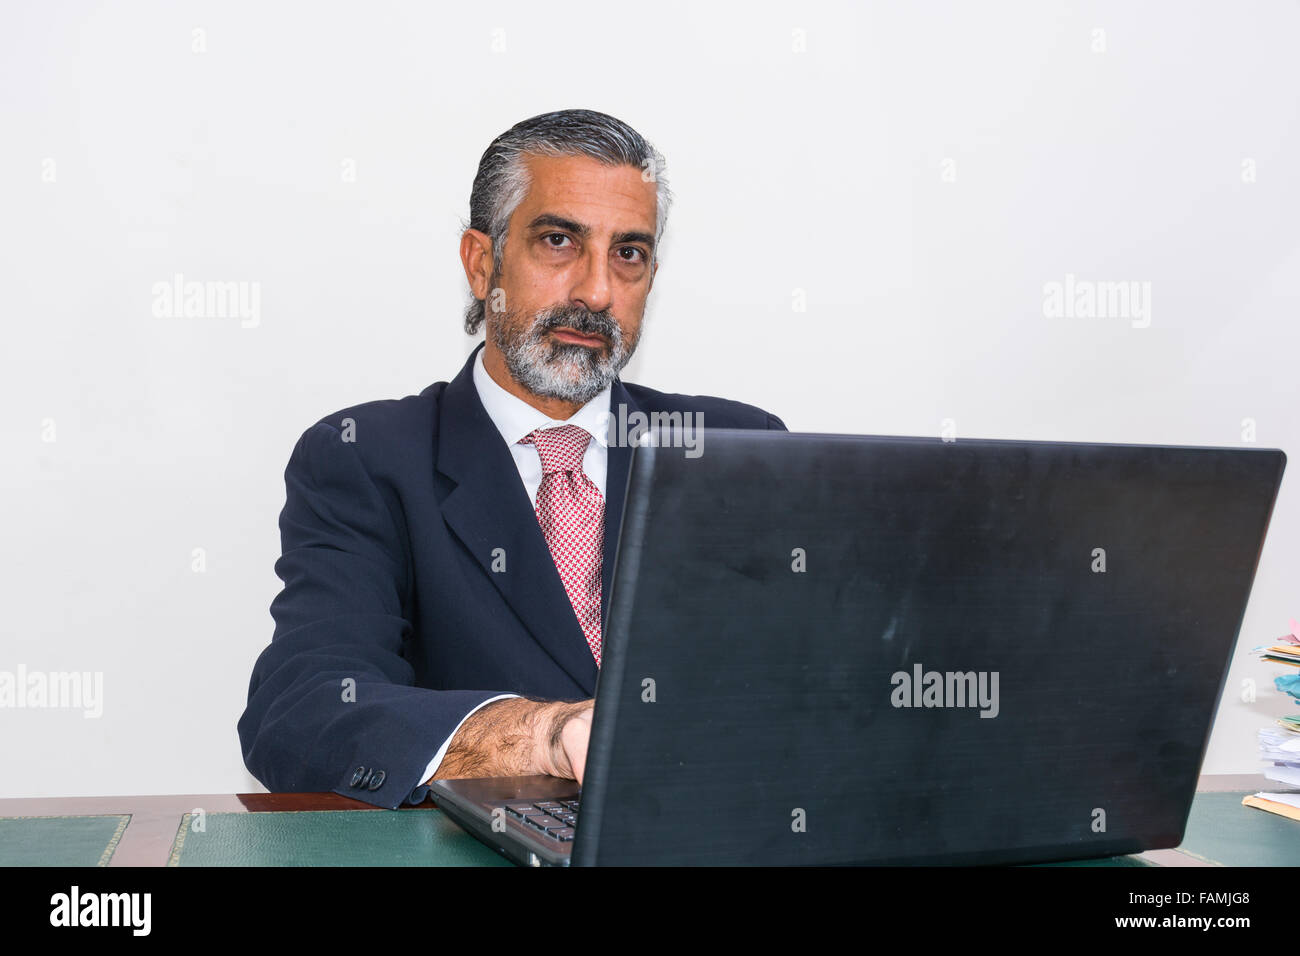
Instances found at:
x=571 y=512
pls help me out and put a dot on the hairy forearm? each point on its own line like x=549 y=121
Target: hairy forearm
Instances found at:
x=508 y=738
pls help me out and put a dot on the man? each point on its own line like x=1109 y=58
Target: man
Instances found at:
x=447 y=556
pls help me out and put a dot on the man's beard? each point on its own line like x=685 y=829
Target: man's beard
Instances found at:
x=563 y=370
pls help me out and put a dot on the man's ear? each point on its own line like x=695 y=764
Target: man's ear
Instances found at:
x=476 y=257
x=653 y=271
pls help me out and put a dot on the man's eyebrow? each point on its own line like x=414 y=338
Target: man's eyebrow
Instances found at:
x=642 y=237
x=578 y=229
x=559 y=222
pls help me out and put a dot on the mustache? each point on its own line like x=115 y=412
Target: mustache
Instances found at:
x=581 y=321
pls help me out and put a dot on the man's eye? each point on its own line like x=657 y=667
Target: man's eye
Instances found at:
x=555 y=235
x=640 y=255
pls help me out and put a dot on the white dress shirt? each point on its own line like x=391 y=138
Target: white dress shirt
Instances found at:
x=514 y=419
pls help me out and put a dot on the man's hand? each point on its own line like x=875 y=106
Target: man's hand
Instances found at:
x=520 y=736
x=564 y=753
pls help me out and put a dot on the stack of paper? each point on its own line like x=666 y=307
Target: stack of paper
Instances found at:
x=1279 y=746
x=1281 y=749
x=1283 y=804
x=1285 y=651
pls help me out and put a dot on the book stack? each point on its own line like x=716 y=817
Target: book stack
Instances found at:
x=1287 y=648
x=1279 y=745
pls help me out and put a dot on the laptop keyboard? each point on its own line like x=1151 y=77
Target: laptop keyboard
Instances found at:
x=552 y=818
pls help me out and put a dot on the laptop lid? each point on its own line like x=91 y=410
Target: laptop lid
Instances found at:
x=845 y=649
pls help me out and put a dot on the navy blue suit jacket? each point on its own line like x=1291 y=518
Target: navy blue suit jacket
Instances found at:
x=392 y=624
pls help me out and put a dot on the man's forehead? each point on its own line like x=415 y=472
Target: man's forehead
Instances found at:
x=603 y=197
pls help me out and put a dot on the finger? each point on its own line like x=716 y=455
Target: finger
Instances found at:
x=575 y=737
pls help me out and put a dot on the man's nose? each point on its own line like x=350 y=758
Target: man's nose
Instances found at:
x=592 y=288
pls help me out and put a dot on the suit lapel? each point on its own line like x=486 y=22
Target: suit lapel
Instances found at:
x=489 y=510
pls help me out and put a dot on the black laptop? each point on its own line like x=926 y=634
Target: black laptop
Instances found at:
x=831 y=649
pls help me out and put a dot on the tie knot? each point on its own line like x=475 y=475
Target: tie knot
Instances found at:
x=561 y=449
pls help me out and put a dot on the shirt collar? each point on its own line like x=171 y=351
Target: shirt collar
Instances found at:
x=515 y=418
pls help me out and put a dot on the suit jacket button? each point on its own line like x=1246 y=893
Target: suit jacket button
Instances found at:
x=357 y=777
x=377 y=780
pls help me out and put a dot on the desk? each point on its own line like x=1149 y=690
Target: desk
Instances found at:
x=155 y=831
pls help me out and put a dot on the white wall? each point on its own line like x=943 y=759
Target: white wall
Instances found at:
x=822 y=171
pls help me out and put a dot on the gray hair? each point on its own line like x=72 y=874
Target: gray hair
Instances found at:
x=503 y=181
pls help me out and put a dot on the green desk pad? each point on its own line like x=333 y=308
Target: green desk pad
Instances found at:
x=60 y=841
x=1103 y=861
x=1223 y=832
x=1219 y=830
x=329 y=838
x=358 y=838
